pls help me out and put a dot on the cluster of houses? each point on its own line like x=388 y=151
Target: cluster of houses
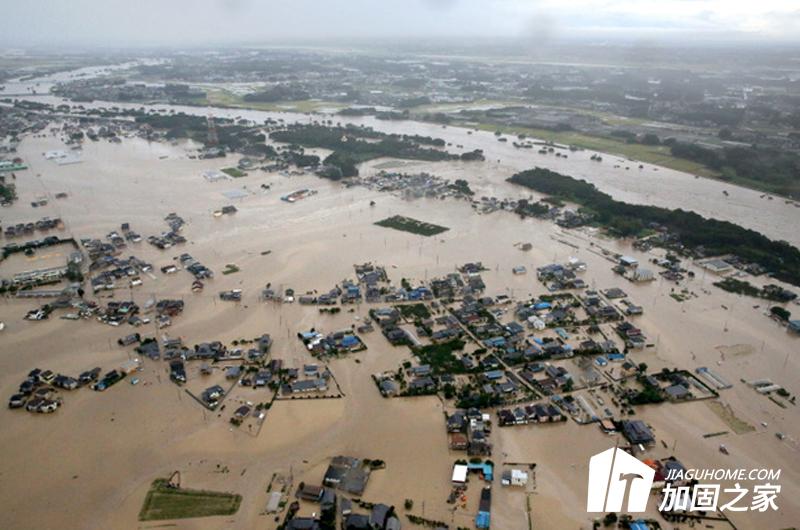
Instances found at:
x=39 y=391
x=25 y=229
x=314 y=379
x=535 y=413
x=469 y=430
x=372 y=285
x=195 y=268
x=117 y=269
x=170 y=237
x=421 y=380
x=557 y=277
x=214 y=351
x=634 y=337
x=414 y=186
x=332 y=344
x=388 y=319
x=600 y=310
x=547 y=378
x=677 y=385
x=127 y=311
x=468 y=282
x=503 y=384
x=118 y=312
x=346 y=476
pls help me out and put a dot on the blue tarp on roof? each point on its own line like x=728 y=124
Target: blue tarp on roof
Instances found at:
x=482 y=520
x=349 y=340
x=486 y=469
x=639 y=525
x=542 y=305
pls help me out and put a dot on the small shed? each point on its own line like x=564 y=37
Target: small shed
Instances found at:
x=274 y=502
x=459 y=474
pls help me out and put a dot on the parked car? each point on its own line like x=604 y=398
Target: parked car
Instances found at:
x=17 y=401
x=177 y=371
x=44 y=393
x=27 y=387
x=129 y=339
x=65 y=382
x=90 y=375
x=109 y=379
x=34 y=404
x=47 y=406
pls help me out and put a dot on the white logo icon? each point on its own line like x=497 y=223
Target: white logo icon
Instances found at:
x=614 y=475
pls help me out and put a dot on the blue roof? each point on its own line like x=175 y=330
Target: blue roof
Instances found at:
x=482 y=520
x=639 y=525
x=496 y=342
x=349 y=340
x=486 y=469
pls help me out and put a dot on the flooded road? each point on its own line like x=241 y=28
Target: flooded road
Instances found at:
x=623 y=179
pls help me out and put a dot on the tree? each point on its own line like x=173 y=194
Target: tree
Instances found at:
x=780 y=312
x=650 y=139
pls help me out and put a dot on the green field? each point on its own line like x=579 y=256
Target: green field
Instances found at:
x=163 y=503
x=652 y=154
x=223 y=98
x=407 y=224
x=234 y=172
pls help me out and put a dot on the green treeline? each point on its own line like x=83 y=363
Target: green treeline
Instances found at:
x=352 y=145
x=692 y=230
x=777 y=171
x=278 y=93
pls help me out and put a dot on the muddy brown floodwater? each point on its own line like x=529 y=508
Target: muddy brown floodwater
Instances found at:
x=90 y=464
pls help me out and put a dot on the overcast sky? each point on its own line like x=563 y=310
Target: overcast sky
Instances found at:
x=198 y=22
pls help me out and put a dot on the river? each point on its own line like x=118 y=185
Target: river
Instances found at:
x=623 y=179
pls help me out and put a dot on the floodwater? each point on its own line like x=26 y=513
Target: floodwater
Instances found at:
x=94 y=458
x=651 y=184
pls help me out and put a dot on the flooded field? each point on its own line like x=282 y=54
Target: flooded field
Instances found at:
x=95 y=458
